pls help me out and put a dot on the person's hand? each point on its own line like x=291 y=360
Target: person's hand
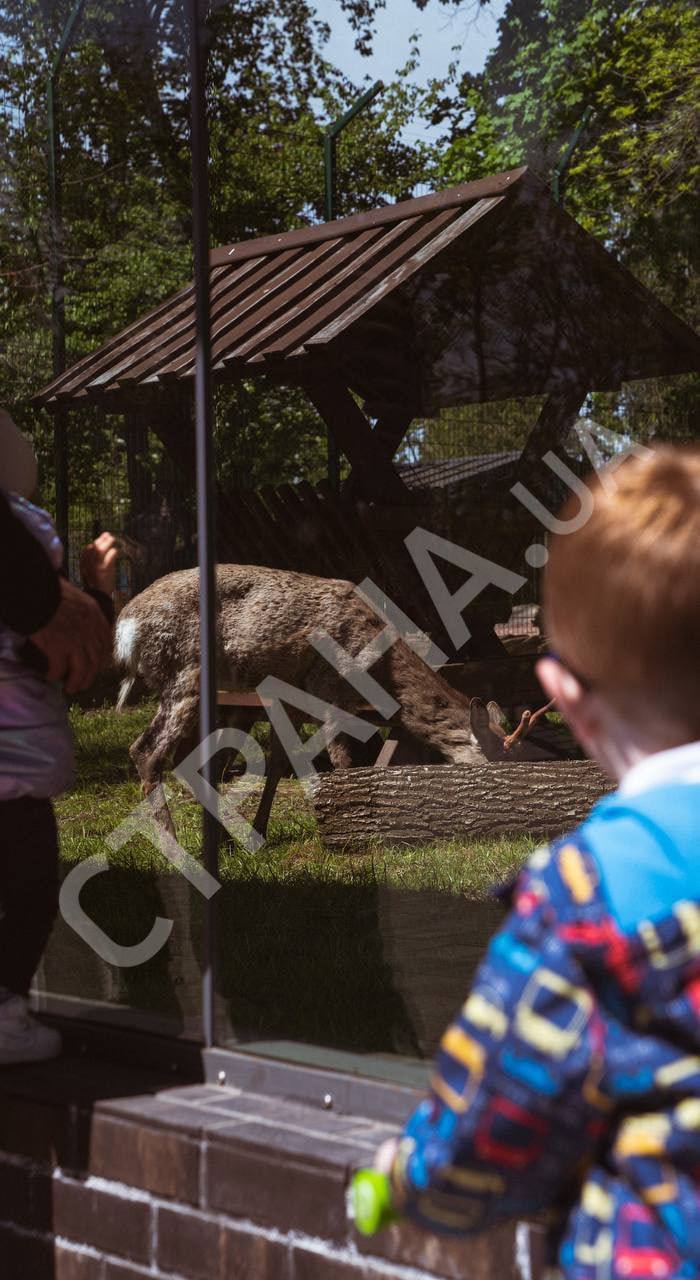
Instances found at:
x=385 y=1155
x=76 y=641
x=98 y=563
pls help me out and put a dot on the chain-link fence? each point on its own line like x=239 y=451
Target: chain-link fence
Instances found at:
x=134 y=490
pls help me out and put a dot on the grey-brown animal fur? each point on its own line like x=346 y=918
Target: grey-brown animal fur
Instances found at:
x=265 y=617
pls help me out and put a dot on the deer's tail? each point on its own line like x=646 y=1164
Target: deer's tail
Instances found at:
x=125 y=656
x=124 y=690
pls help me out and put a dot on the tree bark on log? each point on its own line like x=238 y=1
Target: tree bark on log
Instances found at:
x=413 y=804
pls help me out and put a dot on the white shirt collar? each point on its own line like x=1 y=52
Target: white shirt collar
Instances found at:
x=679 y=764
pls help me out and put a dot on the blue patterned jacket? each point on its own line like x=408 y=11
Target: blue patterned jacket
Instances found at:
x=570 y=1079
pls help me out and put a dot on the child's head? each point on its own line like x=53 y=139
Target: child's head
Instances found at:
x=622 y=610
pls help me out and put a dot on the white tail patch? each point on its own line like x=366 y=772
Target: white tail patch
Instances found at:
x=125 y=641
x=124 y=650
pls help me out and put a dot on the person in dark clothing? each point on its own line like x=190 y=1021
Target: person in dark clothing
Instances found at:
x=49 y=630
x=67 y=625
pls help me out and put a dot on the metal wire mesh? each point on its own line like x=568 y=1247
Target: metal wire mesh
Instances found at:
x=137 y=494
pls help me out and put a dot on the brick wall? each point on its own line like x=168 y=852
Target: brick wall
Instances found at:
x=201 y=1183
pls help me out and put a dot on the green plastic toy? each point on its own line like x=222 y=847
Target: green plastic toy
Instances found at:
x=370 y=1201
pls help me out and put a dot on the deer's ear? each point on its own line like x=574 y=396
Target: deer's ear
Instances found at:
x=487 y=735
x=497 y=718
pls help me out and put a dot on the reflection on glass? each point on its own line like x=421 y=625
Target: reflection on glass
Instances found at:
x=368 y=951
x=162 y=994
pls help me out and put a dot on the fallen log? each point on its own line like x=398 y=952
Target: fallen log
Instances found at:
x=413 y=804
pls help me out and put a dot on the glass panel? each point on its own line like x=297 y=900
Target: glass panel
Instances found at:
x=350 y=936
x=366 y=952
x=370 y=383
x=157 y=988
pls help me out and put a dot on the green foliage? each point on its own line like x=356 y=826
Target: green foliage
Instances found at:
x=125 y=186
x=634 y=172
x=635 y=169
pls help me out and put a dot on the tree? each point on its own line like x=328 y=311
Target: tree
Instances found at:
x=125 y=172
x=634 y=173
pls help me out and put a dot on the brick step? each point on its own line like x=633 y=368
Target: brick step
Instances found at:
x=106 y=1174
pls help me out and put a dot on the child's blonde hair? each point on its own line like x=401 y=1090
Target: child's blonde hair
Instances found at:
x=622 y=593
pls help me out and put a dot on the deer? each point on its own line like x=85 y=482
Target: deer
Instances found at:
x=265 y=618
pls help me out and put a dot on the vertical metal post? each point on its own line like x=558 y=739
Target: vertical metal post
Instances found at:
x=329 y=174
x=329 y=145
x=206 y=516
x=57 y=272
x=332 y=450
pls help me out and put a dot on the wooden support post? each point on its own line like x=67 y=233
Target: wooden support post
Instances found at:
x=556 y=419
x=387 y=435
x=343 y=416
x=139 y=478
x=391 y=429
x=174 y=425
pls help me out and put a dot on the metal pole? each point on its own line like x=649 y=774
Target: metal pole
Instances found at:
x=329 y=145
x=57 y=272
x=329 y=174
x=206 y=516
x=559 y=173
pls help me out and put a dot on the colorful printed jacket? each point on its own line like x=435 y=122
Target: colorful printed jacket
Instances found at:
x=570 y=1080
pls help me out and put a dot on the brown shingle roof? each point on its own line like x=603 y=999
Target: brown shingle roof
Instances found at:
x=481 y=292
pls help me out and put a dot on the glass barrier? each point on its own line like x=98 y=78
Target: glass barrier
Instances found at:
x=126 y=946
x=419 y=384
x=365 y=952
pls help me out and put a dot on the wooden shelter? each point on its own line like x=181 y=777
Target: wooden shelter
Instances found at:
x=484 y=292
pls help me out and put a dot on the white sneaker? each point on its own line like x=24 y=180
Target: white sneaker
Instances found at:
x=22 y=1038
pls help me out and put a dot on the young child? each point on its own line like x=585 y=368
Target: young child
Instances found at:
x=36 y=763
x=570 y=1080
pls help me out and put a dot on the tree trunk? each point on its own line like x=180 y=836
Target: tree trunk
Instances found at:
x=412 y=804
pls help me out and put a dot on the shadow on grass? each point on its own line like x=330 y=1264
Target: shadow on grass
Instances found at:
x=360 y=966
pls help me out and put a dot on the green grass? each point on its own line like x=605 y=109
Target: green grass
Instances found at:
x=369 y=948
x=107 y=790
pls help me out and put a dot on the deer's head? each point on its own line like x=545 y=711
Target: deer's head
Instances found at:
x=463 y=748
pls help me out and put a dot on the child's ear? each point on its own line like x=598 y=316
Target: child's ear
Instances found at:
x=559 y=683
x=570 y=696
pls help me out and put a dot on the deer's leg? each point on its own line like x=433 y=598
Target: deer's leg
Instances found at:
x=173 y=727
x=143 y=752
x=276 y=770
x=344 y=750
x=341 y=751
x=228 y=763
